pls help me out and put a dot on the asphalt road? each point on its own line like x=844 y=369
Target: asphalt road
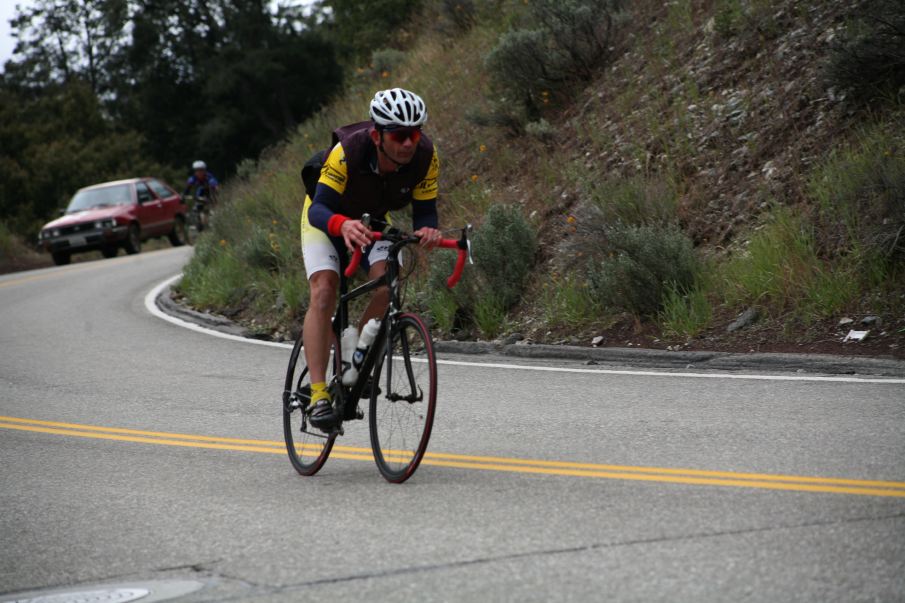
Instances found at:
x=647 y=495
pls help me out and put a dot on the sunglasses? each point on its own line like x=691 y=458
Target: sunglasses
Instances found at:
x=400 y=135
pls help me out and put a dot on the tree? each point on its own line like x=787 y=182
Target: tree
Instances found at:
x=60 y=39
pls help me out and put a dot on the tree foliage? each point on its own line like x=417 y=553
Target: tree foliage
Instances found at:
x=106 y=88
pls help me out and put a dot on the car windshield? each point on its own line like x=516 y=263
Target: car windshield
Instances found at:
x=118 y=194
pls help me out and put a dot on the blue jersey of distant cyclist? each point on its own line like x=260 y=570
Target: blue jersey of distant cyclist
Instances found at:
x=202 y=186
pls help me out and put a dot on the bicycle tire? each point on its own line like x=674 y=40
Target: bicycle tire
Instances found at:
x=411 y=378
x=309 y=450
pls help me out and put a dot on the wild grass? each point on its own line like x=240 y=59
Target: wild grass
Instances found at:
x=859 y=190
x=566 y=301
x=781 y=270
x=685 y=314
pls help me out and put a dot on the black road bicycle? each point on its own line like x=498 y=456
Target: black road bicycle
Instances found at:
x=398 y=374
x=197 y=218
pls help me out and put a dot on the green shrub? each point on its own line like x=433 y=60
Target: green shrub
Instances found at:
x=461 y=13
x=257 y=249
x=860 y=192
x=387 y=59
x=541 y=130
x=525 y=67
x=638 y=200
x=749 y=20
x=581 y=32
x=643 y=264
x=504 y=247
x=569 y=41
x=869 y=61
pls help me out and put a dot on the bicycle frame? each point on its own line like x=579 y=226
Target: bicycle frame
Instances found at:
x=390 y=279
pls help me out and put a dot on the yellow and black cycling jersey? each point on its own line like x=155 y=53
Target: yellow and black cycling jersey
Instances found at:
x=350 y=184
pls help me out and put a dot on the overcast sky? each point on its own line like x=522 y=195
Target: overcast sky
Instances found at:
x=7 y=42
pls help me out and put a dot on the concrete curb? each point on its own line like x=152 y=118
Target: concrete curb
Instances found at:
x=170 y=306
x=634 y=357
x=726 y=361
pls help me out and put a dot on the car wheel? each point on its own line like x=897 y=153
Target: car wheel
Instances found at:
x=133 y=243
x=109 y=251
x=61 y=259
x=177 y=235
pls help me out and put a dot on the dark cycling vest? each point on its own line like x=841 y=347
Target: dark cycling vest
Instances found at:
x=368 y=192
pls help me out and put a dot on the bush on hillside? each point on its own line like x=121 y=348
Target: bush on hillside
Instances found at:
x=504 y=247
x=386 y=60
x=581 y=31
x=869 y=62
x=644 y=264
x=860 y=193
x=569 y=42
x=461 y=13
x=636 y=200
x=526 y=67
x=749 y=20
x=506 y=244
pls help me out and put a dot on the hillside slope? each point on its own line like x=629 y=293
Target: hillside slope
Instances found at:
x=708 y=122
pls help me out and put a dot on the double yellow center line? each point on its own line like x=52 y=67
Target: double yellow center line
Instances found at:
x=696 y=477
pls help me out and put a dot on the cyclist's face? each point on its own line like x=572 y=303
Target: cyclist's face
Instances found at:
x=200 y=174
x=400 y=151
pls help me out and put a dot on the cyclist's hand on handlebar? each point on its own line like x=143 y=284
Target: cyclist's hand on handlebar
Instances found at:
x=430 y=237
x=355 y=234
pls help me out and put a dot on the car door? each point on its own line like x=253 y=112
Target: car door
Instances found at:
x=172 y=202
x=150 y=211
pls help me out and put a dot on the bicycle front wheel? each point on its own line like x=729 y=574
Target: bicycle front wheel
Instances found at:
x=308 y=448
x=403 y=399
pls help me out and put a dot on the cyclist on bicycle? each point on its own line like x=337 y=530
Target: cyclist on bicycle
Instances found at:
x=204 y=183
x=376 y=166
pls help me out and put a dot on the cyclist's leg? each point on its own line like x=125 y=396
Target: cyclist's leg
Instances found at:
x=322 y=264
x=317 y=326
x=375 y=261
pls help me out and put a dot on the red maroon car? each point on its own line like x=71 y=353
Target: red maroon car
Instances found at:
x=117 y=214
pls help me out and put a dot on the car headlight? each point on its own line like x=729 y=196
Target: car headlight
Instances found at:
x=55 y=232
x=106 y=223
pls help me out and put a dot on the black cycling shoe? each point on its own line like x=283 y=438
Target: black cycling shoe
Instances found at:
x=322 y=415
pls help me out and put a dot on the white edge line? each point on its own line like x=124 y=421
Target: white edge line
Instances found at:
x=153 y=294
x=151 y=306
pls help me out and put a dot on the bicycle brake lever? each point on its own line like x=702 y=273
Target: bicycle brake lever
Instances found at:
x=467 y=234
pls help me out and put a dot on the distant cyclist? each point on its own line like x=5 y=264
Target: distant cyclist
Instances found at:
x=203 y=182
x=374 y=167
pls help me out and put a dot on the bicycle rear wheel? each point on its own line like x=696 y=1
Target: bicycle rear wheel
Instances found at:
x=403 y=399
x=307 y=446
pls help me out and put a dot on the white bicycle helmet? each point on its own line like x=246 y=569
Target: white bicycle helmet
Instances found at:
x=199 y=165
x=398 y=108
